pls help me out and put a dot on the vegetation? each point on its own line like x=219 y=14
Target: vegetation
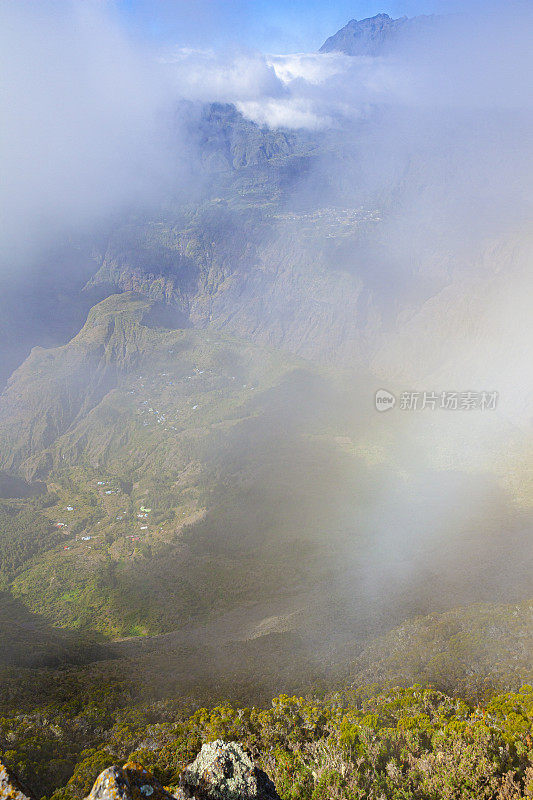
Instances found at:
x=191 y=478
x=256 y=471
x=458 y=650
x=23 y=534
x=404 y=743
x=205 y=431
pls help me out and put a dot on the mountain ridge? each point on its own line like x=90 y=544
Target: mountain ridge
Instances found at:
x=378 y=35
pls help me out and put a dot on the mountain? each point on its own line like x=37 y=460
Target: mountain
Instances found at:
x=379 y=35
x=32 y=642
x=185 y=473
x=188 y=516
x=462 y=650
x=200 y=503
x=236 y=450
x=279 y=241
x=258 y=274
x=234 y=160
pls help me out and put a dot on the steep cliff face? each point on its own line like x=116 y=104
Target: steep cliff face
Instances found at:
x=314 y=284
x=230 y=156
x=282 y=280
x=281 y=242
x=53 y=388
x=61 y=402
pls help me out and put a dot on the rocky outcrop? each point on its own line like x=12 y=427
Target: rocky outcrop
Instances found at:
x=131 y=782
x=224 y=771
x=10 y=787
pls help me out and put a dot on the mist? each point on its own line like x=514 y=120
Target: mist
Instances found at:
x=431 y=292
x=84 y=130
x=91 y=123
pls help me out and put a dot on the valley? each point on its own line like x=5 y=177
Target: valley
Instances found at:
x=190 y=490
x=218 y=261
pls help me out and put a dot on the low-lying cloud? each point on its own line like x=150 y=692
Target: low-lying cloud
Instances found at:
x=88 y=123
x=302 y=90
x=437 y=134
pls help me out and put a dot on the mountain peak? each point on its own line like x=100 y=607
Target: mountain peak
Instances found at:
x=376 y=35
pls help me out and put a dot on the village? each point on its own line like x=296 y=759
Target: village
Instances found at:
x=122 y=532
x=180 y=395
x=134 y=497
x=94 y=511
x=332 y=222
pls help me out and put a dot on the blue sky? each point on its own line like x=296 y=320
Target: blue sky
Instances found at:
x=268 y=25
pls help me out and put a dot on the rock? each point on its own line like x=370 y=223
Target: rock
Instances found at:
x=10 y=787
x=377 y=36
x=132 y=782
x=221 y=771
x=224 y=771
x=111 y=783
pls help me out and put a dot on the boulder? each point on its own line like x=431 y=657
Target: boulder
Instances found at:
x=10 y=787
x=224 y=771
x=221 y=771
x=131 y=782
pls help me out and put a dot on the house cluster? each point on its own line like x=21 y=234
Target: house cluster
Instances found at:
x=174 y=391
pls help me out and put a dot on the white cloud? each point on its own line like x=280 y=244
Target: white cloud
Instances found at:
x=207 y=76
x=85 y=112
x=303 y=90
x=288 y=112
x=315 y=68
x=479 y=61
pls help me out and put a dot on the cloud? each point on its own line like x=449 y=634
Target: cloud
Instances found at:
x=314 y=68
x=302 y=90
x=89 y=121
x=208 y=76
x=82 y=129
x=471 y=61
x=438 y=135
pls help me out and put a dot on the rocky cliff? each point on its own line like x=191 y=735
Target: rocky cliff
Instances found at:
x=379 y=35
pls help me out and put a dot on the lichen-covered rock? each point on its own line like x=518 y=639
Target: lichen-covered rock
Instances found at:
x=110 y=785
x=224 y=771
x=10 y=787
x=132 y=782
